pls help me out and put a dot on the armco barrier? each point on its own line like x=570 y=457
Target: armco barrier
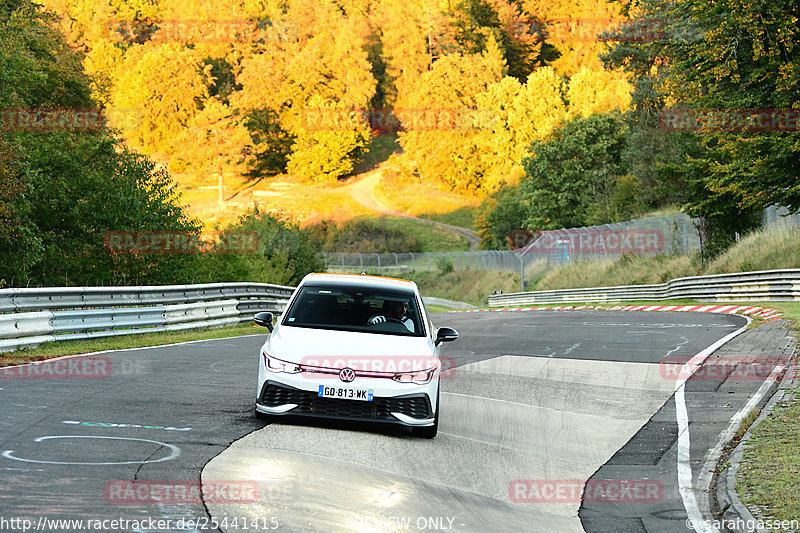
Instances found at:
x=29 y=317
x=768 y=285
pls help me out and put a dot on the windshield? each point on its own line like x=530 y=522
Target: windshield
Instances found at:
x=364 y=309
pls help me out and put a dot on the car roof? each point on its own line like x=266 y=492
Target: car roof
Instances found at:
x=357 y=279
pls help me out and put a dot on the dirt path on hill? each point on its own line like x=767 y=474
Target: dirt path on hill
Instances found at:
x=362 y=190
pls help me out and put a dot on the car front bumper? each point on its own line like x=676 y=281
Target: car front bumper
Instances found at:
x=414 y=409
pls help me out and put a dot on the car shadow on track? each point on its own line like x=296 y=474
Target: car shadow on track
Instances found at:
x=378 y=428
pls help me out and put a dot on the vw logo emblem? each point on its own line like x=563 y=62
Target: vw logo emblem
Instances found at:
x=347 y=375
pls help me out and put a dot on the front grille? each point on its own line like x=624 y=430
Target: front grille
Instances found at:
x=275 y=396
x=379 y=409
x=413 y=406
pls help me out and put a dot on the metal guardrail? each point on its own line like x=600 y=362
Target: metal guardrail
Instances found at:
x=29 y=317
x=768 y=285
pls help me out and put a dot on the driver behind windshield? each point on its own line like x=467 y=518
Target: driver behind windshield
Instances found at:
x=396 y=310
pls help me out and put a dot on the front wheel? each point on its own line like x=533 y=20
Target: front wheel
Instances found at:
x=429 y=432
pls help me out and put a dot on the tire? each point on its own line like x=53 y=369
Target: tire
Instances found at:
x=429 y=432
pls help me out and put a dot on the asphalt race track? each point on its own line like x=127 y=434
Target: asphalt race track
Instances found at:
x=538 y=402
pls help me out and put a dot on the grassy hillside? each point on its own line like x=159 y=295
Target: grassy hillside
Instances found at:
x=765 y=249
x=470 y=286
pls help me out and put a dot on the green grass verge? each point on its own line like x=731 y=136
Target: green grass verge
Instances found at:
x=765 y=249
x=470 y=286
x=438 y=308
x=791 y=310
x=770 y=467
x=378 y=150
x=627 y=270
x=57 y=349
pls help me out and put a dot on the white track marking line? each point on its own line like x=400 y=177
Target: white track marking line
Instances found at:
x=684 y=465
x=174 y=451
x=88 y=354
x=577 y=344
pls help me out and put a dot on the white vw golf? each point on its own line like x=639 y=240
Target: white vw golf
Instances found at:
x=353 y=347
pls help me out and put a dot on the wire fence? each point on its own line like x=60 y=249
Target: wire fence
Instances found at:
x=780 y=216
x=534 y=251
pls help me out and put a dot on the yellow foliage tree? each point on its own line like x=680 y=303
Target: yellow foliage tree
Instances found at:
x=444 y=119
x=520 y=114
x=410 y=48
x=315 y=59
x=214 y=141
x=598 y=91
x=167 y=84
x=574 y=28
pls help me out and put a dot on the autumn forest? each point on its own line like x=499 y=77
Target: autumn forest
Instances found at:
x=549 y=114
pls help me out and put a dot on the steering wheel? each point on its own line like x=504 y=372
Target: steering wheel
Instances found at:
x=382 y=319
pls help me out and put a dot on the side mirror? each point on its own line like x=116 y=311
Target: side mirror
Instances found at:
x=264 y=318
x=445 y=335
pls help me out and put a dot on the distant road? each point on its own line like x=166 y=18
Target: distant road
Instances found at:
x=363 y=192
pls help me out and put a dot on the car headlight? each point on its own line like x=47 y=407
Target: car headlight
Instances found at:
x=276 y=365
x=420 y=377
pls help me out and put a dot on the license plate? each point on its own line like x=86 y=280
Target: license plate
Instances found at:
x=365 y=395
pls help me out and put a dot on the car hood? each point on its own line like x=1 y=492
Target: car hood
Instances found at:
x=294 y=344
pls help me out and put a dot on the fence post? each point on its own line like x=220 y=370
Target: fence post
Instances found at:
x=686 y=234
x=668 y=237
